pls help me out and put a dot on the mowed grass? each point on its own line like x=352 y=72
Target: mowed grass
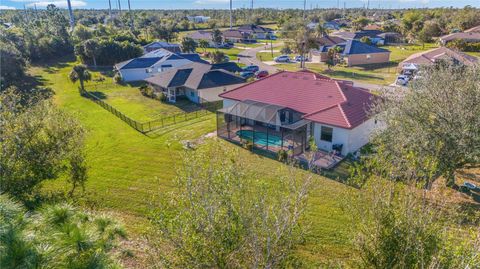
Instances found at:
x=128 y=169
x=128 y=99
x=232 y=53
x=381 y=74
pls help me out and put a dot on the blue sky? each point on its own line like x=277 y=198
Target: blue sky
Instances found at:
x=223 y=4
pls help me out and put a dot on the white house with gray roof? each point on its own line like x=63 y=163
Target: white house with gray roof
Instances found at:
x=152 y=63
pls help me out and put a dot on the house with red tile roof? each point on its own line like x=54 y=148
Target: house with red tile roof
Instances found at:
x=286 y=110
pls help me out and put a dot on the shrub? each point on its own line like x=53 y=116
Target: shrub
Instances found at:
x=248 y=145
x=117 y=78
x=282 y=155
x=286 y=50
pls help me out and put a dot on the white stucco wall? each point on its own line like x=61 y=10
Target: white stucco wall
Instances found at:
x=352 y=139
x=140 y=73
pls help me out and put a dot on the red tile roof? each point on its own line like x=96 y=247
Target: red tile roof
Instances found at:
x=319 y=98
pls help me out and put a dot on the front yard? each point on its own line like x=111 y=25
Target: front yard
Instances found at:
x=381 y=74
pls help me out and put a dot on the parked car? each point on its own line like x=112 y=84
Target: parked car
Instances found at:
x=226 y=46
x=247 y=74
x=298 y=58
x=282 y=59
x=251 y=68
x=261 y=74
x=402 y=80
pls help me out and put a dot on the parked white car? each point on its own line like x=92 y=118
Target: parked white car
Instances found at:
x=402 y=80
x=282 y=59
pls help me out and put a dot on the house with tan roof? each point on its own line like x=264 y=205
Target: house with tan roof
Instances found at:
x=471 y=35
x=429 y=57
x=283 y=111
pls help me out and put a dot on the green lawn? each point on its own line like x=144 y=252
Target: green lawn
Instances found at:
x=231 y=53
x=128 y=99
x=381 y=74
x=127 y=168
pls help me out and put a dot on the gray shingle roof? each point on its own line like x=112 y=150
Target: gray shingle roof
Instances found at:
x=195 y=76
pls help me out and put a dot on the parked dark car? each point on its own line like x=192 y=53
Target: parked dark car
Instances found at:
x=261 y=74
x=225 y=46
x=251 y=68
x=247 y=74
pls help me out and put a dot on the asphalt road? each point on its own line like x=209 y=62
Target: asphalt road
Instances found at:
x=249 y=57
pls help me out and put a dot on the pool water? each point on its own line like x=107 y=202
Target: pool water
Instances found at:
x=260 y=137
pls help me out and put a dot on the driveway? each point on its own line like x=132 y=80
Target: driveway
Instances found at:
x=249 y=57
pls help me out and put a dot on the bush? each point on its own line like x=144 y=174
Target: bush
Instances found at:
x=282 y=155
x=117 y=78
x=248 y=145
x=286 y=50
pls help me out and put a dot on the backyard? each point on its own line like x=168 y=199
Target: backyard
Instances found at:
x=127 y=168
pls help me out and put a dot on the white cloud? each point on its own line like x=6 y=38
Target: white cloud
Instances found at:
x=7 y=7
x=61 y=4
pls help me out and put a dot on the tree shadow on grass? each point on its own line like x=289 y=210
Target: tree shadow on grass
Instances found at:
x=56 y=63
x=99 y=95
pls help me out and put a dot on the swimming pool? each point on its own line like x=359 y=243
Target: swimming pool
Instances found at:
x=260 y=137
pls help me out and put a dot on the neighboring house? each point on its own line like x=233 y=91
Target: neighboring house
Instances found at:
x=198 y=19
x=152 y=63
x=283 y=111
x=256 y=31
x=175 y=48
x=331 y=25
x=237 y=36
x=372 y=34
x=471 y=35
x=392 y=38
x=312 y=25
x=429 y=57
x=324 y=43
x=203 y=35
x=196 y=81
x=329 y=40
x=372 y=26
x=354 y=52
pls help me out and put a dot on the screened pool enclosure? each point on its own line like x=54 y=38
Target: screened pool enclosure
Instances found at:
x=268 y=127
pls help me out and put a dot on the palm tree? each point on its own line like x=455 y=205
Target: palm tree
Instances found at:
x=203 y=44
x=56 y=236
x=91 y=47
x=80 y=73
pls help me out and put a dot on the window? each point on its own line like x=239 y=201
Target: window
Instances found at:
x=192 y=94
x=326 y=134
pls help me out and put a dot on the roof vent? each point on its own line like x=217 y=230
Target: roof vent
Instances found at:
x=305 y=78
x=318 y=83
x=330 y=96
x=294 y=76
x=284 y=75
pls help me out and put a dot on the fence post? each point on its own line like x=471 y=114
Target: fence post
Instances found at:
x=174 y=119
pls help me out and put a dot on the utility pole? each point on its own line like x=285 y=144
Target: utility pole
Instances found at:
x=338 y=4
x=110 y=9
x=231 y=21
x=368 y=4
x=302 y=62
x=130 y=13
x=70 y=12
x=119 y=8
x=304 y=8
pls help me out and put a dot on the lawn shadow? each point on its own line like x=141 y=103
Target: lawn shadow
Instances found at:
x=57 y=62
x=99 y=95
